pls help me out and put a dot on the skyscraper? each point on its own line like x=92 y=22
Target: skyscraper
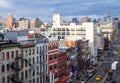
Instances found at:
x=9 y=22
x=108 y=16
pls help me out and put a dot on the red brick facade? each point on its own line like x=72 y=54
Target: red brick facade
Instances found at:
x=53 y=60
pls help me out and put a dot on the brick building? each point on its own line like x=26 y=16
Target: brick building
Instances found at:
x=52 y=60
x=63 y=65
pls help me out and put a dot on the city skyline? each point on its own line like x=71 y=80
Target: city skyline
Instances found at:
x=69 y=8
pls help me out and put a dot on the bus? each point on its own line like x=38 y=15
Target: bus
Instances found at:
x=114 y=65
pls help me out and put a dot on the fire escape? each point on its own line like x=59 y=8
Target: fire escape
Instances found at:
x=16 y=68
x=41 y=62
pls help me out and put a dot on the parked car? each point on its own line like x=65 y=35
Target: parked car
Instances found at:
x=106 y=70
x=95 y=71
x=98 y=77
x=109 y=78
x=110 y=73
x=86 y=78
x=113 y=81
x=90 y=74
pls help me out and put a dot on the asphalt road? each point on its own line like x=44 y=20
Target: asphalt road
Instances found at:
x=100 y=72
x=116 y=74
x=106 y=63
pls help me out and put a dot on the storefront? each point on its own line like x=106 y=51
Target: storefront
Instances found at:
x=64 y=79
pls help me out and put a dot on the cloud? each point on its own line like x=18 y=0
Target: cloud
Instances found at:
x=4 y=4
x=45 y=9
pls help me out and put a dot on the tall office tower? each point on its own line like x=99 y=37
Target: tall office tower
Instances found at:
x=9 y=22
x=75 y=20
x=57 y=19
x=36 y=23
x=108 y=16
x=2 y=23
x=84 y=19
x=24 y=24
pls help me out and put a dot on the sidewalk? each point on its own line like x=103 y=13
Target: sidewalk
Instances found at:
x=82 y=75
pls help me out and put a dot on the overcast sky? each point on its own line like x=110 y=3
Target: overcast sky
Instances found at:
x=45 y=9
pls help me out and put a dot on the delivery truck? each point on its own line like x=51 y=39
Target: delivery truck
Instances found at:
x=114 y=65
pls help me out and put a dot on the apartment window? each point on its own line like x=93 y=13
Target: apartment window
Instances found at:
x=59 y=29
x=43 y=67
x=25 y=52
x=29 y=73
x=3 y=56
x=37 y=50
x=68 y=33
x=30 y=81
x=33 y=51
x=12 y=54
x=3 y=80
x=25 y=63
x=37 y=60
x=40 y=68
x=3 y=68
x=33 y=80
x=8 y=79
x=63 y=29
x=46 y=57
x=50 y=67
x=59 y=37
x=37 y=69
x=8 y=67
x=16 y=52
x=26 y=74
x=30 y=60
x=22 y=52
x=55 y=66
x=33 y=73
x=55 y=76
x=22 y=64
x=7 y=55
x=55 y=56
x=46 y=48
x=63 y=37
x=43 y=57
x=50 y=57
x=33 y=60
x=59 y=33
x=46 y=67
x=22 y=76
x=63 y=33
x=40 y=58
x=29 y=51
x=40 y=49
x=43 y=48
x=38 y=80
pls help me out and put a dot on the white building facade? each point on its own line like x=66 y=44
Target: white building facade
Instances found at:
x=86 y=30
x=42 y=60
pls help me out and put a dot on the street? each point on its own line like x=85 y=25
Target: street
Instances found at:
x=100 y=72
x=106 y=63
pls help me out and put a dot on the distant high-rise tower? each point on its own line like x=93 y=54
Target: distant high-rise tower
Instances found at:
x=108 y=16
x=75 y=20
x=85 y=19
x=9 y=22
x=57 y=19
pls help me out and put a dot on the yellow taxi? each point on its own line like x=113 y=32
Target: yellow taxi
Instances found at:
x=98 y=77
